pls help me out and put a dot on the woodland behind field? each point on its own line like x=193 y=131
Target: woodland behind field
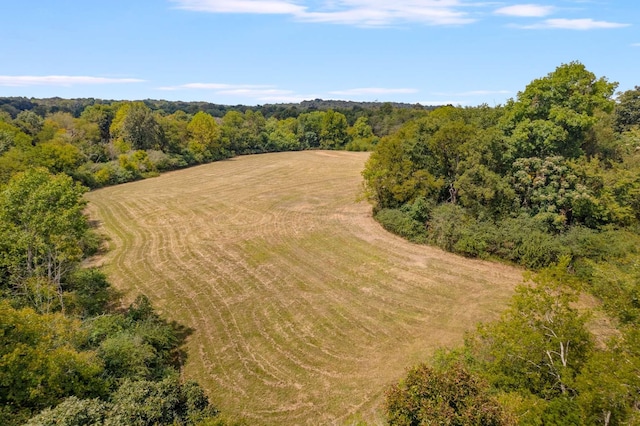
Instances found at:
x=549 y=181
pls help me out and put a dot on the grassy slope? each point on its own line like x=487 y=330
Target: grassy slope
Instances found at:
x=303 y=307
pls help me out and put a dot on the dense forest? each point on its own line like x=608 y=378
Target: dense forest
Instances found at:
x=102 y=143
x=70 y=354
x=550 y=181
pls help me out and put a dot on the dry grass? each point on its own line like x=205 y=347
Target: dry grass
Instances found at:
x=304 y=308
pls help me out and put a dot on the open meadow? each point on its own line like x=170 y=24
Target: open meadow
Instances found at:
x=303 y=308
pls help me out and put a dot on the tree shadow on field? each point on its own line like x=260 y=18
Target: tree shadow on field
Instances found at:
x=169 y=337
x=179 y=354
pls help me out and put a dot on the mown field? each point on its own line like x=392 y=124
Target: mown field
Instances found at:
x=303 y=308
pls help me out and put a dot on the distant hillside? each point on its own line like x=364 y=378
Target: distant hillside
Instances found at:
x=44 y=106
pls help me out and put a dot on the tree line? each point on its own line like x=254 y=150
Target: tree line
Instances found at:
x=549 y=181
x=117 y=142
x=70 y=355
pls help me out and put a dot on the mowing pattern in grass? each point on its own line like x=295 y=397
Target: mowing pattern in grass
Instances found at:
x=303 y=307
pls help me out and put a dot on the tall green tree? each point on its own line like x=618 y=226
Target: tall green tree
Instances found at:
x=541 y=343
x=101 y=115
x=136 y=124
x=393 y=177
x=41 y=363
x=205 y=139
x=553 y=115
x=29 y=122
x=361 y=137
x=282 y=134
x=627 y=111
x=42 y=226
x=453 y=396
x=309 y=129
x=333 y=134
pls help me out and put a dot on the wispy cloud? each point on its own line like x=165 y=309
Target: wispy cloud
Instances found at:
x=351 y=12
x=635 y=44
x=444 y=102
x=475 y=93
x=60 y=80
x=262 y=93
x=217 y=86
x=242 y=6
x=575 y=24
x=525 y=10
x=255 y=92
x=372 y=91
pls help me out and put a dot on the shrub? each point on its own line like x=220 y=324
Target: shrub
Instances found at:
x=400 y=223
x=447 y=225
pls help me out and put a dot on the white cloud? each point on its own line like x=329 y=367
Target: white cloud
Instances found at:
x=444 y=102
x=265 y=93
x=351 y=12
x=575 y=24
x=293 y=98
x=216 y=86
x=475 y=93
x=60 y=80
x=242 y=6
x=525 y=10
x=372 y=91
x=255 y=92
x=635 y=44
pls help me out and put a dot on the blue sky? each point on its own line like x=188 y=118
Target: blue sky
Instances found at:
x=464 y=52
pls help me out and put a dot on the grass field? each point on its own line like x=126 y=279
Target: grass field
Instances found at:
x=303 y=308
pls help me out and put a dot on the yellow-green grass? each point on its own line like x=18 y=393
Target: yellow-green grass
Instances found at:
x=303 y=308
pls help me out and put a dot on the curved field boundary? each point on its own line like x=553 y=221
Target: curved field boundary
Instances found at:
x=304 y=308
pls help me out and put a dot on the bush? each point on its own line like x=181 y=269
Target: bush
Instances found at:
x=452 y=396
x=402 y=224
x=447 y=225
x=90 y=291
x=72 y=412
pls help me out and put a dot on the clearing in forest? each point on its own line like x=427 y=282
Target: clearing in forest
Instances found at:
x=303 y=308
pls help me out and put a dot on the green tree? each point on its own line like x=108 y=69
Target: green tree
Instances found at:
x=627 y=111
x=453 y=396
x=135 y=124
x=40 y=362
x=448 y=146
x=282 y=134
x=29 y=122
x=168 y=401
x=255 y=131
x=73 y=412
x=12 y=136
x=57 y=156
x=609 y=384
x=101 y=115
x=233 y=134
x=137 y=403
x=42 y=226
x=392 y=177
x=541 y=343
x=310 y=128
x=333 y=134
x=361 y=137
x=553 y=115
x=205 y=140
x=421 y=160
x=174 y=128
